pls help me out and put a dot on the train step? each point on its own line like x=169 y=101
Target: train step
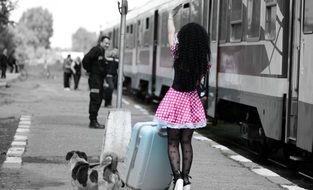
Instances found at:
x=297 y=158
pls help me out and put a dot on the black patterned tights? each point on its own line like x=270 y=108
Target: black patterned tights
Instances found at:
x=182 y=137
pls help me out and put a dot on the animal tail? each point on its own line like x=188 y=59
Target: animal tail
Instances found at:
x=93 y=165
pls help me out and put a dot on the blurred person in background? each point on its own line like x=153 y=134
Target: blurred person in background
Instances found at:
x=77 y=71
x=4 y=63
x=67 y=72
x=46 y=69
x=112 y=66
x=12 y=62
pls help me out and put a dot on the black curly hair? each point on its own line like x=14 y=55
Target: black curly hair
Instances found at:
x=193 y=51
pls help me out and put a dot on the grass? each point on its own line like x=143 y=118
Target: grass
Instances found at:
x=8 y=128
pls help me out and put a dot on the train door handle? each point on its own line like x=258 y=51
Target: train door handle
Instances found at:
x=298 y=48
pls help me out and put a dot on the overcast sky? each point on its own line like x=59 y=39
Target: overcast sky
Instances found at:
x=69 y=15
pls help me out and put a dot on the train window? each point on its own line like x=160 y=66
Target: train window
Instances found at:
x=147 y=34
x=196 y=11
x=147 y=23
x=308 y=17
x=139 y=34
x=116 y=38
x=223 y=20
x=236 y=20
x=164 y=33
x=129 y=37
x=214 y=21
x=132 y=30
x=270 y=20
x=127 y=45
x=253 y=24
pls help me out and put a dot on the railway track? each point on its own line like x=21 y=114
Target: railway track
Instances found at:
x=299 y=172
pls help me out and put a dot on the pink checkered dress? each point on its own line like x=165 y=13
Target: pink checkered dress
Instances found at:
x=180 y=110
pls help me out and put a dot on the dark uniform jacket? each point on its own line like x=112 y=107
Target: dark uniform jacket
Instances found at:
x=94 y=61
x=112 y=66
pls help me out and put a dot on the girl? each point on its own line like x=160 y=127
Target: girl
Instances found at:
x=181 y=110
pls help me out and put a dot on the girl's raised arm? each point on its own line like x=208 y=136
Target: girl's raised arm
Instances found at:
x=171 y=29
x=171 y=25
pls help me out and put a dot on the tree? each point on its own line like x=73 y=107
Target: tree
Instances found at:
x=6 y=6
x=39 y=21
x=26 y=43
x=83 y=40
x=7 y=38
x=6 y=33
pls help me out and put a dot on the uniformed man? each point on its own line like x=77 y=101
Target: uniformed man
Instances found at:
x=94 y=63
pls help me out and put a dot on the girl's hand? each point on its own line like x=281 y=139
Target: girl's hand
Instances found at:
x=176 y=10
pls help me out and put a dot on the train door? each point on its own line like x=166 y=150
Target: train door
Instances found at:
x=155 y=47
x=294 y=73
x=304 y=131
x=214 y=28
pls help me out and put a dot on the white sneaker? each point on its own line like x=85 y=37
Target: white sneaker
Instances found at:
x=179 y=184
x=187 y=187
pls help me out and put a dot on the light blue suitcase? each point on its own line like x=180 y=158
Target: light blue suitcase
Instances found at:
x=147 y=163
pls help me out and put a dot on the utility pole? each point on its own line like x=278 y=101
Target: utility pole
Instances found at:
x=123 y=9
x=119 y=120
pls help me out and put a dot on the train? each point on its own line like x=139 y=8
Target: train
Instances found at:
x=261 y=74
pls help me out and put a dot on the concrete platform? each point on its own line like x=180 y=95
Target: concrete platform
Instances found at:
x=10 y=77
x=59 y=124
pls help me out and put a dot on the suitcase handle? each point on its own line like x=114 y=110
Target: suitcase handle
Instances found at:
x=162 y=132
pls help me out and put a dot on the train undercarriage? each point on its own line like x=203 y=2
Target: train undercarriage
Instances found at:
x=253 y=135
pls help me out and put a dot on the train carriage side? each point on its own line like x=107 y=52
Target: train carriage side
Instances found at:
x=263 y=72
x=150 y=77
x=164 y=66
x=144 y=50
x=252 y=63
x=300 y=128
x=192 y=11
x=153 y=60
x=260 y=55
x=130 y=71
x=148 y=64
x=141 y=48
